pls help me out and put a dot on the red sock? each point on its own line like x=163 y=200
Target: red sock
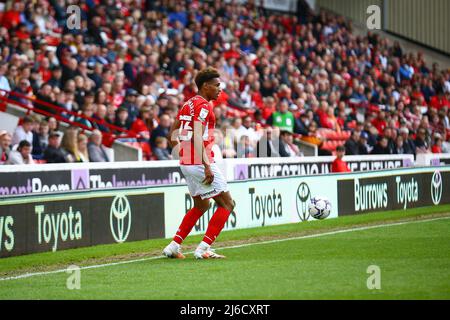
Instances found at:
x=216 y=224
x=187 y=224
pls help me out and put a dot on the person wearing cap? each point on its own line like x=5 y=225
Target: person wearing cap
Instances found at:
x=53 y=152
x=339 y=165
x=363 y=147
x=55 y=80
x=5 y=146
x=130 y=104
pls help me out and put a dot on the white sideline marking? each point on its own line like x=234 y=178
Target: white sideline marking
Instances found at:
x=316 y=235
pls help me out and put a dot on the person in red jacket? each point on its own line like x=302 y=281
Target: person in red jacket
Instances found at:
x=338 y=164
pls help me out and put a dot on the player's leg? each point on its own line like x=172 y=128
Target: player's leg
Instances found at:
x=191 y=218
x=225 y=206
x=173 y=250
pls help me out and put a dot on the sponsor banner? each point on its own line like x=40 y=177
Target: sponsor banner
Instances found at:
x=259 y=203
x=54 y=224
x=433 y=159
x=134 y=177
x=320 y=166
x=16 y=183
x=393 y=191
x=38 y=182
x=41 y=179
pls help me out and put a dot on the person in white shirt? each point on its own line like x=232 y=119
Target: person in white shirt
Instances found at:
x=24 y=132
x=4 y=83
x=246 y=129
x=22 y=155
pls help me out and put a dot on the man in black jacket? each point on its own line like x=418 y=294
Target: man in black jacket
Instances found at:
x=382 y=147
x=352 y=144
x=53 y=153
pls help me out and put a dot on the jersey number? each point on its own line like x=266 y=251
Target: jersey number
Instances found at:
x=185 y=131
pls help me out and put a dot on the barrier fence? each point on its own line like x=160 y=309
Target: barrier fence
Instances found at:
x=71 y=219
x=48 y=178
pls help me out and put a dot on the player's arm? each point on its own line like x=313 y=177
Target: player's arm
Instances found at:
x=200 y=150
x=173 y=133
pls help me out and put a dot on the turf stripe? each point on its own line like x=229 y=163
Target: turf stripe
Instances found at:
x=28 y=275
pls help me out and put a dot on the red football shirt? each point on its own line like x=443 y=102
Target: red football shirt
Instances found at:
x=195 y=111
x=339 y=165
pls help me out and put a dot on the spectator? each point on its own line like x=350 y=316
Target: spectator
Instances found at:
x=161 y=150
x=247 y=130
x=4 y=83
x=352 y=145
x=408 y=145
x=399 y=146
x=44 y=97
x=287 y=146
x=96 y=150
x=380 y=122
x=382 y=147
x=53 y=152
x=69 y=145
x=82 y=147
x=22 y=155
x=268 y=145
x=88 y=113
x=363 y=147
x=5 y=146
x=421 y=143
x=145 y=123
x=437 y=144
x=245 y=148
x=130 y=104
x=56 y=75
x=283 y=119
x=100 y=115
x=40 y=138
x=53 y=125
x=161 y=131
x=122 y=120
x=339 y=165
x=24 y=131
x=22 y=93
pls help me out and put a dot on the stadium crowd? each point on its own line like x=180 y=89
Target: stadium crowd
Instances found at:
x=285 y=78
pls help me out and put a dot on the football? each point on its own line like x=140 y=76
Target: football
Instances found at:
x=319 y=208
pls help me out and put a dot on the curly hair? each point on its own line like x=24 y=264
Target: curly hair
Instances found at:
x=205 y=75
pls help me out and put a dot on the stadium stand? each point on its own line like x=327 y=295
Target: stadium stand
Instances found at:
x=133 y=56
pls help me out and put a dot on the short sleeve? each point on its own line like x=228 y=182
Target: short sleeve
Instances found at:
x=202 y=113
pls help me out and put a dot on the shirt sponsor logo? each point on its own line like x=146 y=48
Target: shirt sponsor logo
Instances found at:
x=185 y=118
x=203 y=114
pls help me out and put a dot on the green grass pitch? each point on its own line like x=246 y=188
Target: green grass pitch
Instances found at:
x=413 y=258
